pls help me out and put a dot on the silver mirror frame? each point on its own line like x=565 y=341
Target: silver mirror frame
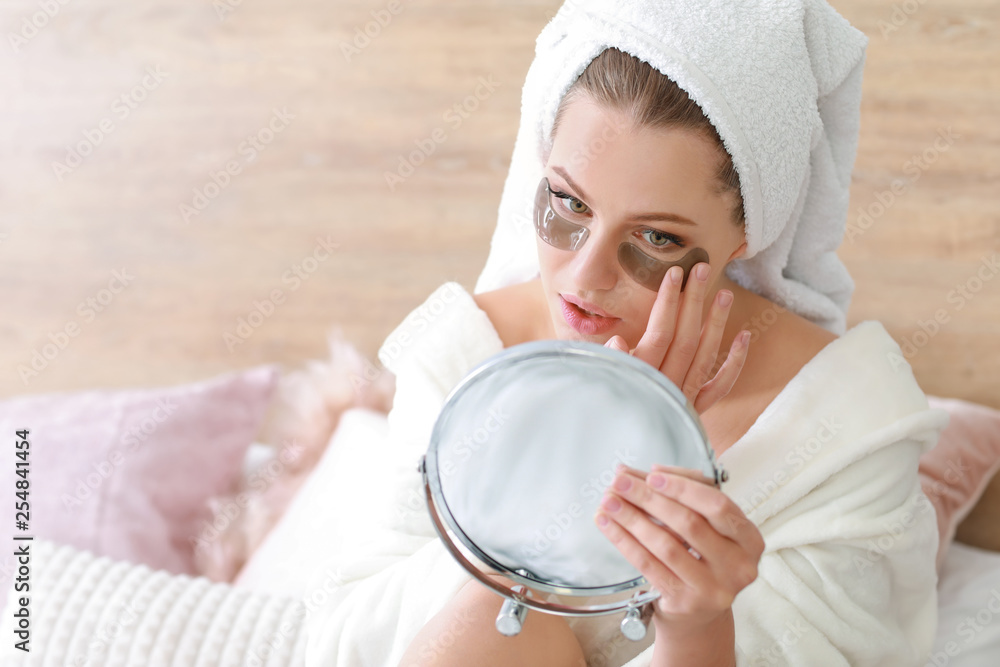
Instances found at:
x=521 y=589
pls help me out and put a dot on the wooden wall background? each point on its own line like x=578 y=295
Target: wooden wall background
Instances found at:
x=933 y=70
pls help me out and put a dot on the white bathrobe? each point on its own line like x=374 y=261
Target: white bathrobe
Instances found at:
x=828 y=473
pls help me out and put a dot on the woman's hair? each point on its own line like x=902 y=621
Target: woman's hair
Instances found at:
x=620 y=81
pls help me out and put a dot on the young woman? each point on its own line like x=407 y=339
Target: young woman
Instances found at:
x=664 y=182
x=710 y=141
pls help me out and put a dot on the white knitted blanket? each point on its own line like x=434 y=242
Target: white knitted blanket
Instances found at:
x=89 y=611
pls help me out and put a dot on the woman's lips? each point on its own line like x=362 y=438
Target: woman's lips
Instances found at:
x=590 y=309
x=588 y=325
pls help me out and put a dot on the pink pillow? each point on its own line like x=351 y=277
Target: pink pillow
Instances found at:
x=127 y=473
x=955 y=472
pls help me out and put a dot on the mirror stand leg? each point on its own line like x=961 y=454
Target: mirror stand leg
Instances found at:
x=510 y=620
x=636 y=621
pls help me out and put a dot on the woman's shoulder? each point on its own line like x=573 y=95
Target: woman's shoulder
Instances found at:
x=797 y=339
x=516 y=311
x=781 y=345
x=781 y=342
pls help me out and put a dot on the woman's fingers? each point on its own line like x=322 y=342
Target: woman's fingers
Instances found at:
x=662 y=556
x=690 y=473
x=645 y=511
x=688 y=332
x=680 y=346
x=659 y=334
x=716 y=388
x=701 y=368
x=616 y=342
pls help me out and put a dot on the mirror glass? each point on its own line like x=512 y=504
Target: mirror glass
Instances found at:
x=525 y=446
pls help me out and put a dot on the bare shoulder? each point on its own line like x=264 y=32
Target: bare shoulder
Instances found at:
x=805 y=338
x=513 y=310
x=783 y=342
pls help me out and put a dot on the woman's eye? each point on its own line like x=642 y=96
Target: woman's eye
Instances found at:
x=572 y=204
x=660 y=239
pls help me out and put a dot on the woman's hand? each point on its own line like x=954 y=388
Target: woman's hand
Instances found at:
x=681 y=348
x=689 y=540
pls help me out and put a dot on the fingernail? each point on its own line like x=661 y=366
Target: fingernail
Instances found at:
x=725 y=298
x=611 y=504
x=622 y=483
x=675 y=274
x=656 y=480
x=701 y=271
x=744 y=338
x=602 y=520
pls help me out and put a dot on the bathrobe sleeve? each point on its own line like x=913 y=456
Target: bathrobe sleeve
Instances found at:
x=848 y=578
x=828 y=474
x=430 y=352
x=369 y=601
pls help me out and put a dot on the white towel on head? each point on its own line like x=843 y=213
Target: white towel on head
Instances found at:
x=781 y=82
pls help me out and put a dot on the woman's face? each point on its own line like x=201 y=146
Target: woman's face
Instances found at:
x=612 y=175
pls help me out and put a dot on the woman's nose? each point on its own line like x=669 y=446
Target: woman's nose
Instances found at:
x=595 y=265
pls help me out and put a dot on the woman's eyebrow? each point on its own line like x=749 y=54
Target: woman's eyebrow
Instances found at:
x=562 y=172
x=640 y=217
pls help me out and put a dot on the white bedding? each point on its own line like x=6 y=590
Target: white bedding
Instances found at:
x=968 y=633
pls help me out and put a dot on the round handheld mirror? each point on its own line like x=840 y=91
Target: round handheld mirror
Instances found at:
x=518 y=461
